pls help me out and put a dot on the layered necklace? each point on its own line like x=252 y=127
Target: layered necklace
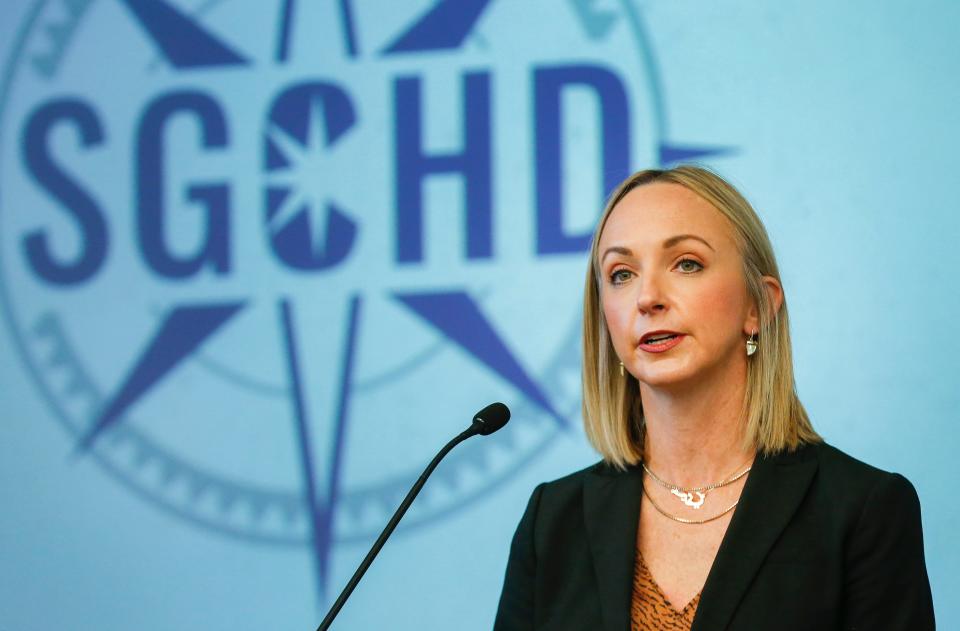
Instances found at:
x=686 y=495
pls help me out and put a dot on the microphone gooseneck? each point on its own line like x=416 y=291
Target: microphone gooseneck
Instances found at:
x=485 y=422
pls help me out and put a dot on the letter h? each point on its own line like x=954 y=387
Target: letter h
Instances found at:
x=414 y=165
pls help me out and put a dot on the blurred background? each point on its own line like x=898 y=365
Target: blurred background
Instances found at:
x=259 y=260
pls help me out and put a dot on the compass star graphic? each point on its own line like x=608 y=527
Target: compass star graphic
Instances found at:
x=285 y=344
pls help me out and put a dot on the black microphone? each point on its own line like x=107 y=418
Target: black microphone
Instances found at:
x=490 y=419
x=485 y=422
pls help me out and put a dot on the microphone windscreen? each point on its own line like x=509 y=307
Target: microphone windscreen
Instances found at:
x=492 y=418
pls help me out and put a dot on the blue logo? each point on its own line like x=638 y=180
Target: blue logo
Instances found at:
x=262 y=262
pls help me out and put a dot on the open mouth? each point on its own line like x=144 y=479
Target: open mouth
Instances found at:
x=659 y=338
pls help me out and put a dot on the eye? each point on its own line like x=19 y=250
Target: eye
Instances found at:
x=689 y=266
x=620 y=276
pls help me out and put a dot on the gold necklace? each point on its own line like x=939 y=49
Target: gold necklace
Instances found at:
x=684 y=520
x=685 y=495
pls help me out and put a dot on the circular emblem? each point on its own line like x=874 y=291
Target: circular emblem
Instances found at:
x=262 y=262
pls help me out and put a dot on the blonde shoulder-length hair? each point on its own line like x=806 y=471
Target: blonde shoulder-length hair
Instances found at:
x=774 y=420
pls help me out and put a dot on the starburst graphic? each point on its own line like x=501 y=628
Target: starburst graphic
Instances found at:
x=307 y=225
x=310 y=163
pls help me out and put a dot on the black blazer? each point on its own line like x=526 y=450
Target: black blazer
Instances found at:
x=819 y=541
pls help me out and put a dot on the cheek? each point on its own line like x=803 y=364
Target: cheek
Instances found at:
x=618 y=321
x=725 y=303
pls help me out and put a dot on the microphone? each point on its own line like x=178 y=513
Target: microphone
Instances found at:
x=485 y=422
x=490 y=419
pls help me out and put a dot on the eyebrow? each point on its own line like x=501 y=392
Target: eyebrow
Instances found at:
x=668 y=243
x=672 y=241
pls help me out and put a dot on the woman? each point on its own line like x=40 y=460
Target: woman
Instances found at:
x=716 y=505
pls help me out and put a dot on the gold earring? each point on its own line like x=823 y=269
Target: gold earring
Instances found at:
x=752 y=344
x=621 y=369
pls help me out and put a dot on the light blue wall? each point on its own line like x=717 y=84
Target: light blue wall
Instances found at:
x=187 y=510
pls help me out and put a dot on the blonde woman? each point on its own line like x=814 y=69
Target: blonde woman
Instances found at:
x=716 y=504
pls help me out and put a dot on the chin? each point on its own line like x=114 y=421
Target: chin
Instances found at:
x=673 y=375
x=666 y=378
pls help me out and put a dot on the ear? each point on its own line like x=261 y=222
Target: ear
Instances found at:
x=775 y=298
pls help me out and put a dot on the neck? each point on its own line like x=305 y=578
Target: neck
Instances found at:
x=694 y=434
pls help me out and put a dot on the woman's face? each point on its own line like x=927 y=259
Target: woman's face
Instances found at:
x=670 y=267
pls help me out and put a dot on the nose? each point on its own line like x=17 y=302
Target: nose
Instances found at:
x=651 y=298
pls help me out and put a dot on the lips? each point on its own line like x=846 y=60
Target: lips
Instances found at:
x=657 y=336
x=660 y=341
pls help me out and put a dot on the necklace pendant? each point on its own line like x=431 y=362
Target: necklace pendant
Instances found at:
x=687 y=498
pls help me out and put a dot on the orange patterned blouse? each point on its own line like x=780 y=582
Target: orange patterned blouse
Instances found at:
x=650 y=610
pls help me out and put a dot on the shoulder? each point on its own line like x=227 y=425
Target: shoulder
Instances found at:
x=567 y=492
x=568 y=487
x=598 y=473
x=838 y=466
x=851 y=481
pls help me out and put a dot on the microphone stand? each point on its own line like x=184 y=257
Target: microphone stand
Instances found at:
x=474 y=429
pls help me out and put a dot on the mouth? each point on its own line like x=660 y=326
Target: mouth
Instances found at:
x=658 y=337
x=660 y=341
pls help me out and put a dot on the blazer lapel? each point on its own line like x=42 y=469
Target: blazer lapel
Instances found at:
x=770 y=498
x=611 y=505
